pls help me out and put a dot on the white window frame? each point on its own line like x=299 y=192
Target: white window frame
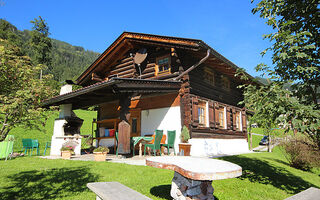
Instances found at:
x=225 y=117
x=206 y=112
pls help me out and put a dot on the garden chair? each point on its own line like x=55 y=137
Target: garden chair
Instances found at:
x=48 y=145
x=156 y=145
x=163 y=139
x=26 y=145
x=35 y=145
x=171 y=139
x=116 y=134
x=6 y=147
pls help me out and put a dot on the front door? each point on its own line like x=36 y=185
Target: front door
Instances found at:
x=135 y=122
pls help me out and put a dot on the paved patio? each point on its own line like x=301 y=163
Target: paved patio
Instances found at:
x=136 y=160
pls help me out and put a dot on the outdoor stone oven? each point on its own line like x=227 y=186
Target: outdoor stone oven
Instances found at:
x=73 y=125
x=66 y=127
x=66 y=130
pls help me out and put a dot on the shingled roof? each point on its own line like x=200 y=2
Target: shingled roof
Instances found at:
x=151 y=39
x=109 y=90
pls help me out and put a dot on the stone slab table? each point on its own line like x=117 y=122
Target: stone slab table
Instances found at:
x=193 y=176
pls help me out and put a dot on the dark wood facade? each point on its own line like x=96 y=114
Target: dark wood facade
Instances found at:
x=208 y=96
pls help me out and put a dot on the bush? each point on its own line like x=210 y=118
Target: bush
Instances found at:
x=301 y=153
x=101 y=149
x=67 y=148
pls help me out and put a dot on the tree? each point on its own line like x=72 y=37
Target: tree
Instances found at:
x=21 y=92
x=295 y=55
x=41 y=43
x=67 y=61
x=10 y=33
x=268 y=102
x=296 y=44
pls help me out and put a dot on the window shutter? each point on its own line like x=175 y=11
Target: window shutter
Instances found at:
x=211 y=115
x=195 y=118
x=234 y=120
x=216 y=114
x=244 y=121
x=228 y=118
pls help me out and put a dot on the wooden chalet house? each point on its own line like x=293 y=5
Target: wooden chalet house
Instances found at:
x=144 y=82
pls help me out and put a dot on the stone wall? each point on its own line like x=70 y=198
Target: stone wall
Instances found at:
x=183 y=188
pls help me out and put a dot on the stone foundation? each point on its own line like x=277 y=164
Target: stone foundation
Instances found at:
x=183 y=188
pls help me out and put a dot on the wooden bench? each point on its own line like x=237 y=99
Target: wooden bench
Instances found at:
x=114 y=190
x=310 y=194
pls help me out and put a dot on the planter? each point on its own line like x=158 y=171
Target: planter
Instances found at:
x=100 y=156
x=186 y=147
x=65 y=154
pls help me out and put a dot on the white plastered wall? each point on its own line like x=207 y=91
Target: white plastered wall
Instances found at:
x=169 y=119
x=163 y=119
x=213 y=147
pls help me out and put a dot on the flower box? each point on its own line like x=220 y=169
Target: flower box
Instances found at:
x=66 y=154
x=100 y=156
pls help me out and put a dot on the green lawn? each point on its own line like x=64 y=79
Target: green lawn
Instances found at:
x=265 y=176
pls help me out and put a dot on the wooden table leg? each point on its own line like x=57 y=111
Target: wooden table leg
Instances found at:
x=140 y=149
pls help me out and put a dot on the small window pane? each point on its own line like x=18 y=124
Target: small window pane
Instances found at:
x=163 y=65
x=202 y=113
x=134 y=125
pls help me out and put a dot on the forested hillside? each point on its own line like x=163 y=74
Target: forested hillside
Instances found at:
x=68 y=61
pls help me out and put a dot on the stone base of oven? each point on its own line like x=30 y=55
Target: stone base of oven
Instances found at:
x=183 y=188
x=60 y=138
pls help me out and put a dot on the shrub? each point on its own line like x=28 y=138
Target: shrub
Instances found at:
x=67 y=148
x=301 y=153
x=185 y=136
x=101 y=149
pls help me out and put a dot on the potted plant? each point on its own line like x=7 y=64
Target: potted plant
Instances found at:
x=87 y=144
x=67 y=151
x=184 y=145
x=100 y=153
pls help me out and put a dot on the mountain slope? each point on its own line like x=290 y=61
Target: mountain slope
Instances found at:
x=68 y=61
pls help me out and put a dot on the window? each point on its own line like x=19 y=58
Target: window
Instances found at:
x=209 y=76
x=134 y=125
x=163 y=65
x=202 y=113
x=238 y=121
x=225 y=83
x=222 y=116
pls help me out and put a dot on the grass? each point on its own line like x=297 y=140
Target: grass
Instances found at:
x=265 y=176
x=36 y=178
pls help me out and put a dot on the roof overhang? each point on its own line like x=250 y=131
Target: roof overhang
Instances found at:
x=111 y=90
x=124 y=42
x=127 y=39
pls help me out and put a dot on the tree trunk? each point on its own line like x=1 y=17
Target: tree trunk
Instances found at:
x=3 y=134
x=4 y=129
x=269 y=142
x=251 y=147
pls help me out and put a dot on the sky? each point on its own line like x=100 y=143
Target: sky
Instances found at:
x=228 y=26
